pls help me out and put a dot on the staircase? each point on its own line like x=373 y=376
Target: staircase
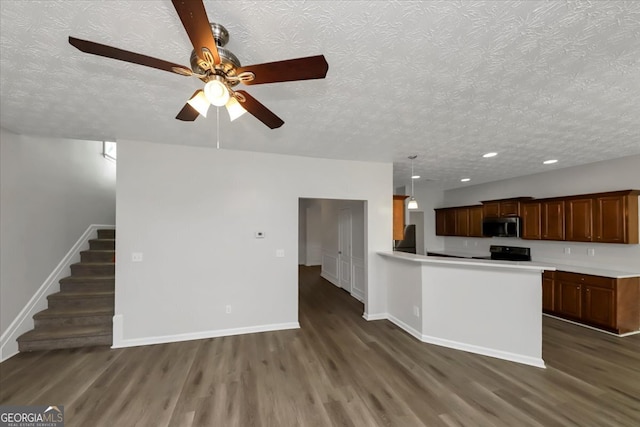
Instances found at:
x=81 y=314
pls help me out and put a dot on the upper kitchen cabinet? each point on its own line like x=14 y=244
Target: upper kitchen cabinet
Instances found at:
x=579 y=217
x=398 y=217
x=604 y=217
x=531 y=221
x=503 y=207
x=464 y=221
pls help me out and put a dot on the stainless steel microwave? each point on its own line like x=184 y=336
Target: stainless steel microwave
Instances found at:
x=501 y=227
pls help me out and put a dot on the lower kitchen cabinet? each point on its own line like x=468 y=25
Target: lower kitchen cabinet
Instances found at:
x=602 y=302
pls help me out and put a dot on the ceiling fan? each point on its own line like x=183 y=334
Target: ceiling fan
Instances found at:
x=217 y=67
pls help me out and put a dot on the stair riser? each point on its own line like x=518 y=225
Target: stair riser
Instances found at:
x=93 y=270
x=106 y=234
x=55 y=344
x=104 y=320
x=91 y=256
x=106 y=286
x=102 y=244
x=98 y=302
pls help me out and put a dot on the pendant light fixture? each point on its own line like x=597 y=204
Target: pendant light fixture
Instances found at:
x=413 y=204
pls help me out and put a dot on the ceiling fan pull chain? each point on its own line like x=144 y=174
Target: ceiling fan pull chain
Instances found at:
x=218 y=127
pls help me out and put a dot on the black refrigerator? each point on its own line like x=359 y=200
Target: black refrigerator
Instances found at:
x=408 y=244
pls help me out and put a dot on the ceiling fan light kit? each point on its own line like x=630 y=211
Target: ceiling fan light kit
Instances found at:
x=217 y=67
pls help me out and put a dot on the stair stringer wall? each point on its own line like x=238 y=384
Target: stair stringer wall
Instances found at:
x=38 y=302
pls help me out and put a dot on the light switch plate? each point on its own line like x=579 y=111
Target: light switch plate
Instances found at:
x=136 y=257
x=280 y=253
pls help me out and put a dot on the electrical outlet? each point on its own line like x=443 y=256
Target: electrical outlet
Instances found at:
x=591 y=252
x=227 y=309
x=280 y=253
x=567 y=251
x=259 y=235
x=136 y=257
x=465 y=243
x=416 y=311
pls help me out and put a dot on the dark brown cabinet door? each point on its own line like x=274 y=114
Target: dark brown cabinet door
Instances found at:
x=440 y=222
x=610 y=220
x=491 y=209
x=462 y=222
x=475 y=221
x=553 y=220
x=579 y=220
x=547 y=294
x=509 y=208
x=599 y=306
x=450 y=222
x=531 y=221
x=570 y=299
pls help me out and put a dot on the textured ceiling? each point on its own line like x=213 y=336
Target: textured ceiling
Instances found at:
x=447 y=81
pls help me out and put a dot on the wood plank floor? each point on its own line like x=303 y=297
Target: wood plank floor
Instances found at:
x=337 y=370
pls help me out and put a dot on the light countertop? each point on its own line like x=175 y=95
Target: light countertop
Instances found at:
x=595 y=271
x=480 y=263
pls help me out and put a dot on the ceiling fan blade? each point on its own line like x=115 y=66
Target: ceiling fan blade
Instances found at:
x=311 y=67
x=187 y=114
x=259 y=111
x=126 y=56
x=195 y=22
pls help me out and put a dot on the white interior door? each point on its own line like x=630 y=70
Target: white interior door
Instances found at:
x=344 y=249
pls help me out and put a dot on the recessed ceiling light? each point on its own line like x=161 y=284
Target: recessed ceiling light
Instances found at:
x=490 y=155
x=415 y=177
x=550 y=162
x=465 y=180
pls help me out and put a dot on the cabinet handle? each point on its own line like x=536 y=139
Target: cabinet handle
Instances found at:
x=577 y=287
x=588 y=289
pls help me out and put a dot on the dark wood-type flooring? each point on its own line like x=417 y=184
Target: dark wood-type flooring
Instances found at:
x=337 y=370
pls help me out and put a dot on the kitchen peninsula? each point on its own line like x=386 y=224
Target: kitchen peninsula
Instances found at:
x=487 y=307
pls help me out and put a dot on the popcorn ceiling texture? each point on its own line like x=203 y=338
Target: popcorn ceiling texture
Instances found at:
x=447 y=81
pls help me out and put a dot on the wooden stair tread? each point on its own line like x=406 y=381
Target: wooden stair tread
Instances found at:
x=76 y=312
x=94 y=263
x=82 y=294
x=84 y=278
x=62 y=332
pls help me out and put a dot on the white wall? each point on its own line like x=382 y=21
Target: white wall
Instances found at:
x=193 y=212
x=617 y=174
x=51 y=190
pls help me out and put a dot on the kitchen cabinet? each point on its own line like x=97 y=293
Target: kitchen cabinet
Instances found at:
x=603 y=302
x=398 y=217
x=463 y=221
x=610 y=217
x=543 y=220
x=552 y=219
x=604 y=217
x=503 y=207
x=475 y=221
x=531 y=221
x=579 y=219
x=548 y=291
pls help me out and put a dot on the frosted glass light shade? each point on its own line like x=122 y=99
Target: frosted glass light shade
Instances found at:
x=235 y=109
x=413 y=204
x=200 y=103
x=216 y=92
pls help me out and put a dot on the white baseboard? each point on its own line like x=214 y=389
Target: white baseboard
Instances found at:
x=375 y=316
x=626 y=334
x=38 y=302
x=119 y=342
x=411 y=331
x=330 y=278
x=505 y=355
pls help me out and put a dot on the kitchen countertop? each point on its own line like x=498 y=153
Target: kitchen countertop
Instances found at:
x=595 y=271
x=481 y=263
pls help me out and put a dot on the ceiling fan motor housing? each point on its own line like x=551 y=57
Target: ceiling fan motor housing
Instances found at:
x=228 y=61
